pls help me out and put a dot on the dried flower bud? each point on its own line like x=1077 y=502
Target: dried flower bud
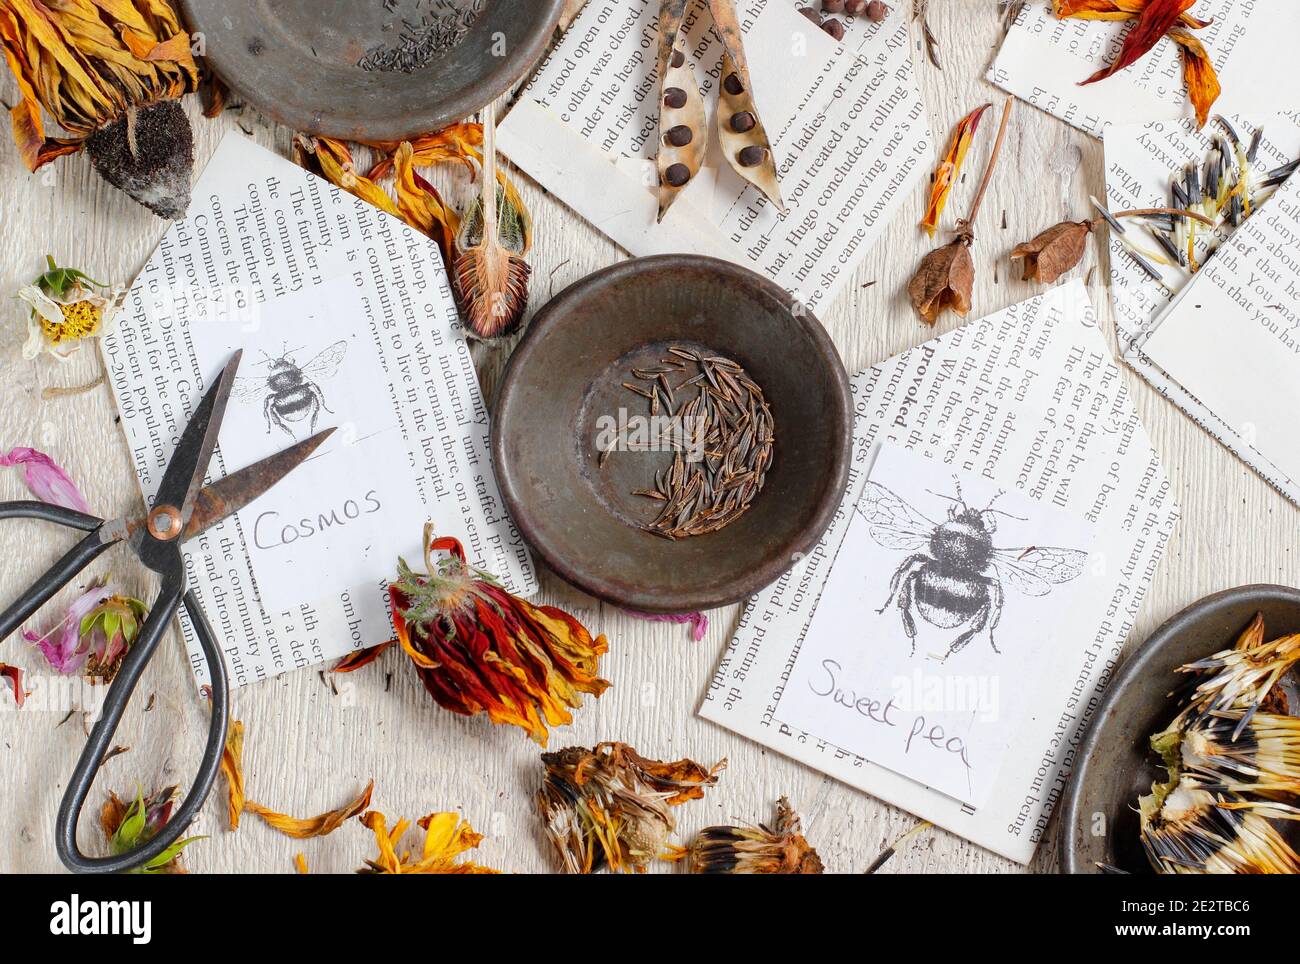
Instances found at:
x=944 y=280
x=1053 y=252
x=609 y=806
x=128 y=826
x=755 y=850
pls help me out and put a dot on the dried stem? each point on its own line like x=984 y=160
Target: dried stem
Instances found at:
x=490 y=171
x=988 y=168
x=1148 y=212
x=64 y=391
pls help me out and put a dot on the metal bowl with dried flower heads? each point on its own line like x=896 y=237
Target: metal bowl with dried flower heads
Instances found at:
x=1115 y=763
x=371 y=70
x=576 y=448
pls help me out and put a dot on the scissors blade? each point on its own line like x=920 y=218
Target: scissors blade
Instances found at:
x=189 y=464
x=226 y=496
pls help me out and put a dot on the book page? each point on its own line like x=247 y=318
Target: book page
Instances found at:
x=848 y=127
x=1028 y=400
x=1044 y=58
x=1232 y=336
x=1141 y=161
x=346 y=319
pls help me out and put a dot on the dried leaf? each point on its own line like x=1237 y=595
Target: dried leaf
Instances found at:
x=490 y=272
x=1053 y=252
x=944 y=280
x=1198 y=73
x=318 y=826
x=1153 y=22
x=945 y=174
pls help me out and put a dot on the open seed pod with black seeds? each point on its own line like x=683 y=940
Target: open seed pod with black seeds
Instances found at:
x=744 y=140
x=683 y=140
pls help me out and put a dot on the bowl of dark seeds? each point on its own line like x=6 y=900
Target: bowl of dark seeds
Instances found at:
x=371 y=70
x=673 y=433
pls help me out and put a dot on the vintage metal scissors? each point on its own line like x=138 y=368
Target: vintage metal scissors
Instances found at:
x=182 y=509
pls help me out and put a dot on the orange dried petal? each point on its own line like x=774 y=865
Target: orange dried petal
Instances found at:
x=1153 y=22
x=945 y=174
x=232 y=768
x=318 y=826
x=1198 y=72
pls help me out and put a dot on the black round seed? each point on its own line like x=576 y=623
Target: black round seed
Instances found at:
x=811 y=14
x=679 y=136
x=751 y=156
x=679 y=58
x=743 y=121
x=674 y=97
x=833 y=6
x=732 y=85
x=677 y=175
x=835 y=28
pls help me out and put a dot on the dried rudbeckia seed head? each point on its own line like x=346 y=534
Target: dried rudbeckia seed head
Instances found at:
x=780 y=849
x=480 y=649
x=1053 y=252
x=610 y=807
x=944 y=280
x=108 y=73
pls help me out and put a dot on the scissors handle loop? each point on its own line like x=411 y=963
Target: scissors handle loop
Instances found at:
x=101 y=737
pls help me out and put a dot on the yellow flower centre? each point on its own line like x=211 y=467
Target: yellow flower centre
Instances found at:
x=80 y=319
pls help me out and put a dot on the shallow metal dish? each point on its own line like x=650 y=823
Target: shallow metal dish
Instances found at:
x=568 y=371
x=1115 y=763
x=296 y=61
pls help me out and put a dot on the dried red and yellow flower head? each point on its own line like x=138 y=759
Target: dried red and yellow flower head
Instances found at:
x=609 y=806
x=108 y=73
x=780 y=849
x=481 y=649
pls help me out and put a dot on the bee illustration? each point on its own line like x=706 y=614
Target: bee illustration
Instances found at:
x=288 y=393
x=954 y=576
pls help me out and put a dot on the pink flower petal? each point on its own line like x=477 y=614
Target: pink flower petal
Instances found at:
x=62 y=645
x=45 y=479
x=699 y=622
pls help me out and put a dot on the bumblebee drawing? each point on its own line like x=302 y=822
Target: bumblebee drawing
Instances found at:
x=290 y=394
x=954 y=577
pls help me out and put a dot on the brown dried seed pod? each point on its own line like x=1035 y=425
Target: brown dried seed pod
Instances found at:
x=735 y=97
x=681 y=110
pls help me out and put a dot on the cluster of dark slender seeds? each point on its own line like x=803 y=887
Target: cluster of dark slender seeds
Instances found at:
x=730 y=422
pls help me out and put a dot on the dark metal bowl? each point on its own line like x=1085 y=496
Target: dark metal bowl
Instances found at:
x=296 y=61
x=568 y=371
x=1115 y=762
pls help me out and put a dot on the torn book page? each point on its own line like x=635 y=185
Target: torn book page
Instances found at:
x=848 y=127
x=346 y=319
x=1027 y=400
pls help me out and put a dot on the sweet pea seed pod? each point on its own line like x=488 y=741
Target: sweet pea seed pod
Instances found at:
x=682 y=140
x=744 y=142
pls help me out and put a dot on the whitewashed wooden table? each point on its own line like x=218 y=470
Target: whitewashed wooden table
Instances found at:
x=312 y=745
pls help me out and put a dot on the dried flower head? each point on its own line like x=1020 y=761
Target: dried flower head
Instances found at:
x=446 y=837
x=1053 y=252
x=64 y=307
x=610 y=807
x=108 y=73
x=132 y=825
x=1229 y=766
x=95 y=633
x=781 y=849
x=944 y=280
x=481 y=649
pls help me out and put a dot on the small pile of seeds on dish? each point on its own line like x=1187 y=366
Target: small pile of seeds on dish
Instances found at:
x=438 y=30
x=729 y=425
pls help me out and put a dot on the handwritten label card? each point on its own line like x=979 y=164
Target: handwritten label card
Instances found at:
x=931 y=626
x=346 y=319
